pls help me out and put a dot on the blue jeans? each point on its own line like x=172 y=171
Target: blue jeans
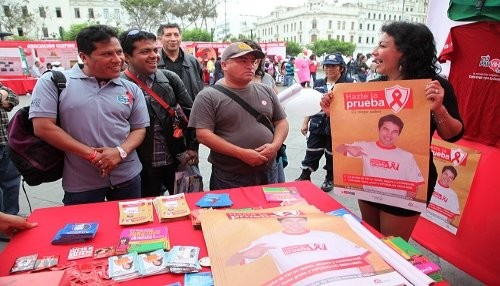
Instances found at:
x=288 y=80
x=130 y=189
x=10 y=181
x=220 y=180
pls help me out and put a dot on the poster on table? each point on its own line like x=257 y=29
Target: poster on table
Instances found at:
x=380 y=142
x=295 y=245
x=456 y=166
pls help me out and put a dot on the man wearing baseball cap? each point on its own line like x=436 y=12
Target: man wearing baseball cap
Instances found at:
x=242 y=149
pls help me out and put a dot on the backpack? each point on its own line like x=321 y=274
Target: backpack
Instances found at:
x=37 y=161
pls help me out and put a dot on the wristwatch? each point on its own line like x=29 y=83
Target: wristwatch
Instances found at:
x=123 y=154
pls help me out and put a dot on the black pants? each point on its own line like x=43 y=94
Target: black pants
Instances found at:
x=317 y=145
x=155 y=178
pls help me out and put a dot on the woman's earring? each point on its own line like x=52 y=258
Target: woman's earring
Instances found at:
x=400 y=67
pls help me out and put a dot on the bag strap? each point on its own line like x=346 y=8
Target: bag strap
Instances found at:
x=59 y=81
x=140 y=83
x=260 y=118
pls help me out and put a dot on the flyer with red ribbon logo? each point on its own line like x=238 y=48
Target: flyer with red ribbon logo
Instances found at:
x=380 y=142
x=456 y=166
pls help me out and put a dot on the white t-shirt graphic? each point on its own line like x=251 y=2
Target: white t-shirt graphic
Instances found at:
x=390 y=163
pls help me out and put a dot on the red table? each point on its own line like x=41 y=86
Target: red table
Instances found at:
x=37 y=240
x=475 y=248
x=20 y=86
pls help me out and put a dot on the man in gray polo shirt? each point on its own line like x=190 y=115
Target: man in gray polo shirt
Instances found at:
x=102 y=121
x=243 y=151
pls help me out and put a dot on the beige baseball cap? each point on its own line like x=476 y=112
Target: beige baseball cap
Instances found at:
x=238 y=49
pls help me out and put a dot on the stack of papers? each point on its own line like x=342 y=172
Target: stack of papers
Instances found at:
x=171 y=207
x=75 y=233
x=183 y=259
x=211 y=200
x=152 y=263
x=143 y=239
x=123 y=267
x=281 y=194
x=135 y=212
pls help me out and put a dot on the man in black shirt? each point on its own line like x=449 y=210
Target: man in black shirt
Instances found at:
x=173 y=58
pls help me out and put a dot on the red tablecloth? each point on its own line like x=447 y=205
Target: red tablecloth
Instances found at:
x=20 y=86
x=37 y=240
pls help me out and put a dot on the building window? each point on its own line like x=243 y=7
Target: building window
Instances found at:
x=330 y=24
x=373 y=40
x=58 y=12
x=24 y=10
x=343 y=38
x=61 y=32
x=77 y=13
x=360 y=26
x=338 y=37
x=91 y=13
x=314 y=24
x=338 y=25
x=42 y=12
x=20 y=31
x=343 y=25
x=300 y=25
x=369 y=15
x=359 y=40
x=368 y=27
x=314 y=38
x=106 y=13
x=352 y=26
x=329 y=36
x=117 y=14
x=6 y=11
x=45 y=32
x=367 y=40
x=351 y=39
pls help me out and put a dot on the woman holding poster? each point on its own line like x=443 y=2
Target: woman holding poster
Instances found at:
x=407 y=51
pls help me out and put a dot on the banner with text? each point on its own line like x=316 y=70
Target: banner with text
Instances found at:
x=456 y=166
x=380 y=139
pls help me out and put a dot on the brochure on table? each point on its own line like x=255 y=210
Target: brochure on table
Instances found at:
x=293 y=245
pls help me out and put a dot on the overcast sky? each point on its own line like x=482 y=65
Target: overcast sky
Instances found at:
x=254 y=7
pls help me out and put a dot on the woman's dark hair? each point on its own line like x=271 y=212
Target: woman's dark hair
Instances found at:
x=129 y=37
x=260 y=70
x=416 y=43
x=87 y=37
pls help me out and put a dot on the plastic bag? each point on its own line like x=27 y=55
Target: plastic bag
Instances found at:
x=188 y=179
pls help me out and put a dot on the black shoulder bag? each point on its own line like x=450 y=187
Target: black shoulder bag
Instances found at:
x=258 y=116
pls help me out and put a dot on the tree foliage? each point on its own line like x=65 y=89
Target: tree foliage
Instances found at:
x=195 y=12
x=321 y=47
x=196 y=35
x=73 y=30
x=293 y=48
x=16 y=15
x=147 y=14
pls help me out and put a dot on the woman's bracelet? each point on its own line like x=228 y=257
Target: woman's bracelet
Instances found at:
x=440 y=120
